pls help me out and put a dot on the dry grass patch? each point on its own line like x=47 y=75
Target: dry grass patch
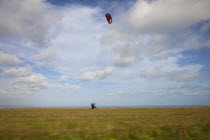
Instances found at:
x=169 y=123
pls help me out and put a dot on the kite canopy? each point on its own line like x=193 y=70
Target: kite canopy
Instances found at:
x=109 y=18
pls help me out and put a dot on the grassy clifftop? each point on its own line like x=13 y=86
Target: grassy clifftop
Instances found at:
x=158 y=123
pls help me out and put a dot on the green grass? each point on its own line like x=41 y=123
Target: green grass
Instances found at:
x=157 y=123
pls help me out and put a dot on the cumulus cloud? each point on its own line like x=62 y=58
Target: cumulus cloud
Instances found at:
x=33 y=79
x=77 y=44
x=170 y=69
x=201 y=87
x=63 y=78
x=160 y=15
x=27 y=19
x=9 y=60
x=190 y=89
x=24 y=80
x=18 y=72
x=194 y=44
x=128 y=75
x=125 y=55
x=127 y=93
x=96 y=74
x=43 y=57
x=147 y=46
x=192 y=94
x=152 y=27
x=26 y=84
x=66 y=86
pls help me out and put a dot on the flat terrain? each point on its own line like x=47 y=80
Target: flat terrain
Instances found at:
x=155 y=123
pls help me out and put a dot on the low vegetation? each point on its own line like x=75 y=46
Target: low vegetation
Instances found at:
x=155 y=123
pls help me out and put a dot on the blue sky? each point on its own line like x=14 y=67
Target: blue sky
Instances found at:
x=64 y=53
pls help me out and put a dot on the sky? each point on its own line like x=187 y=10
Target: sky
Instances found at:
x=64 y=53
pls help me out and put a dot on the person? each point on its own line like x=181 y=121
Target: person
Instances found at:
x=92 y=105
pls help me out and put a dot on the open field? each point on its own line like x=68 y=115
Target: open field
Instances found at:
x=155 y=123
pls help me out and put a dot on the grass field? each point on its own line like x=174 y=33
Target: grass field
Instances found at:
x=155 y=123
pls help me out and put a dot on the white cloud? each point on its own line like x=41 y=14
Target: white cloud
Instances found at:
x=128 y=75
x=27 y=19
x=152 y=27
x=43 y=57
x=187 y=88
x=70 y=86
x=96 y=74
x=26 y=84
x=139 y=46
x=170 y=87
x=77 y=44
x=169 y=68
x=18 y=72
x=145 y=48
x=192 y=94
x=132 y=92
x=124 y=60
x=33 y=79
x=63 y=78
x=128 y=92
x=25 y=81
x=161 y=15
x=9 y=60
x=66 y=86
x=194 y=44
x=193 y=87
x=125 y=55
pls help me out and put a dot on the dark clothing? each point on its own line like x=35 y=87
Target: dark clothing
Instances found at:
x=93 y=105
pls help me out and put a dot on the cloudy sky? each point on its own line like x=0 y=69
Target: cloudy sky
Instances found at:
x=64 y=53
